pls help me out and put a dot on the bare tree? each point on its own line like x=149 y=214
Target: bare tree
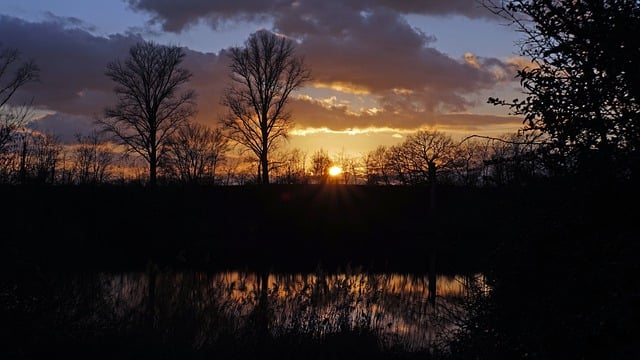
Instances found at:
x=92 y=158
x=39 y=157
x=149 y=109
x=263 y=74
x=430 y=151
x=422 y=157
x=195 y=152
x=292 y=167
x=13 y=75
x=377 y=166
x=349 y=166
x=234 y=170
x=320 y=164
x=400 y=165
x=515 y=158
x=469 y=160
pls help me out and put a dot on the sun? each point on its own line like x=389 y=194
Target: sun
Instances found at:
x=335 y=171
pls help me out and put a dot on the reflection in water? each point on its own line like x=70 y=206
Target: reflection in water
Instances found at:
x=395 y=306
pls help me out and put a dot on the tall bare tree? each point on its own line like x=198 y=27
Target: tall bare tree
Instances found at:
x=150 y=108
x=263 y=74
x=13 y=75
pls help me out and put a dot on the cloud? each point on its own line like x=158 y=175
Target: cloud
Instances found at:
x=471 y=60
x=309 y=114
x=177 y=16
x=64 y=126
x=358 y=48
x=355 y=46
x=381 y=54
x=519 y=63
x=72 y=63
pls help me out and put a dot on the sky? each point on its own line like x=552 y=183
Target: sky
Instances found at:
x=381 y=69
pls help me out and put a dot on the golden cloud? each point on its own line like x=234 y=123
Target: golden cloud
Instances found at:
x=344 y=87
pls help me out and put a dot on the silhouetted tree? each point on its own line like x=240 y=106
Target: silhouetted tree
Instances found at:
x=39 y=157
x=149 y=109
x=583 y=86
x=399 y=164
x=468 y=161
x=92 y=158
x=13 y=75
x=421 y=157
x=320 y=163
x=195 y=152
x=292 y=167
x=350 y=166
x=377 y=166
x=512 y=158
x=263 y=73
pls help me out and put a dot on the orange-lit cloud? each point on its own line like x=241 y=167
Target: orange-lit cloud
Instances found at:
x=343 y=87
x=519 y=62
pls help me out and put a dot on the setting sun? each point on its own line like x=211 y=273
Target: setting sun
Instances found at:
x=335 y=171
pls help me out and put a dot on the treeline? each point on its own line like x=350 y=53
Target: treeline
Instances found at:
x=202 y=156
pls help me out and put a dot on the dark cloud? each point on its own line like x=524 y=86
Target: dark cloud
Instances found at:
x=68 y=22
x=72 y=63
x=64 y=126
x=468 y=8
x=176 y=16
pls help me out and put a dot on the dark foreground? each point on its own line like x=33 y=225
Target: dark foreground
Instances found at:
x=282 y=226
x=562 y=263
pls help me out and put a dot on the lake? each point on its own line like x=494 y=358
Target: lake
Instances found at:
x=200 y=309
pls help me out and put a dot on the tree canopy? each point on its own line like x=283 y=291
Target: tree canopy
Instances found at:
x=150 y=108
x=583 y=84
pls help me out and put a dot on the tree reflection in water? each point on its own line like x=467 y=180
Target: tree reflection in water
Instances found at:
x=201 y=307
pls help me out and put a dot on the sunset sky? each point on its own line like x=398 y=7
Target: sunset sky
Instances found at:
x=381 y=68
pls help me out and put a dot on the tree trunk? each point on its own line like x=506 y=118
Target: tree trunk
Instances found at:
x=153 y=166
x=23 y=162
x=264 y=164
